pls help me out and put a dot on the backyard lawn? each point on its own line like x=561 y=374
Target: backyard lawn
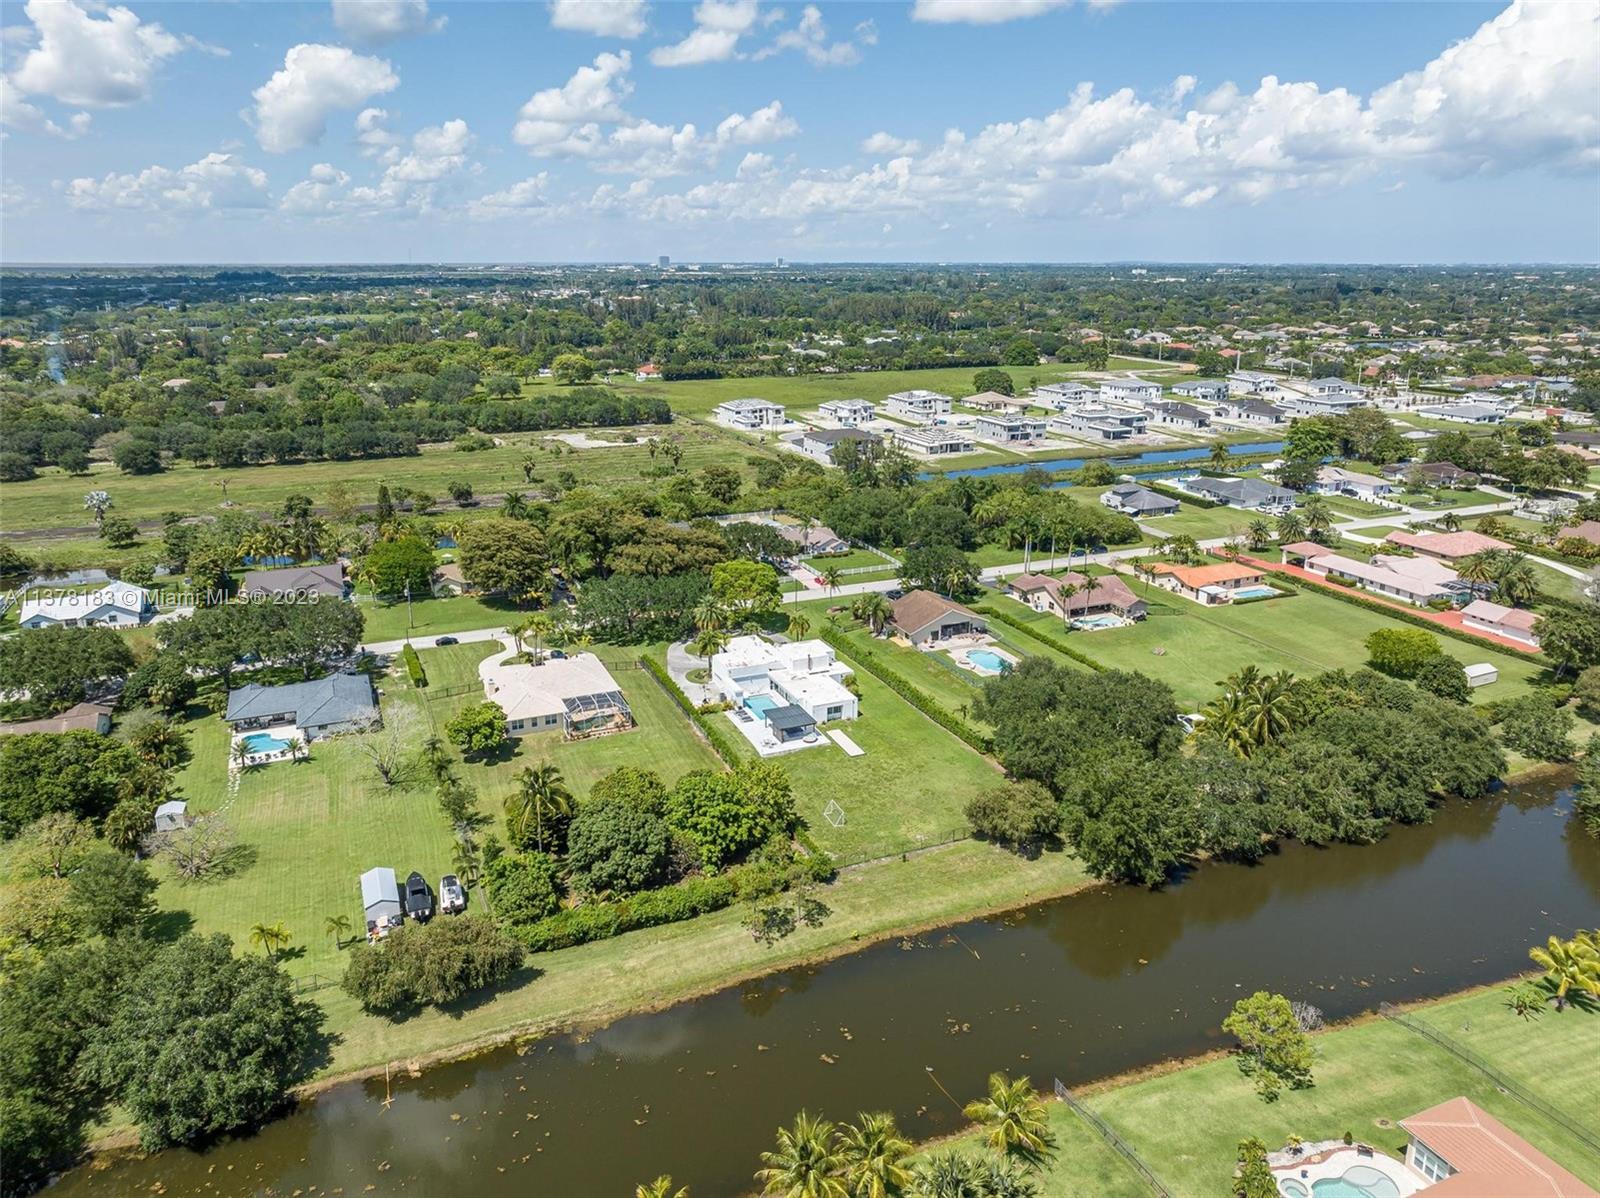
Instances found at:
x=1192 y=648
x=430 y=617
x=1186 y=1124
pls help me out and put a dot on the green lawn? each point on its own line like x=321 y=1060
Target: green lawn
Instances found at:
x=1186 y=1124
x=663 y=741
x=802 y=393
x=1191 y=648
x=430 y=617
x=855 y=559
x=55 y=499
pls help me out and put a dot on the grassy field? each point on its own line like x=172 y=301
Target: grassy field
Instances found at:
x=55 y=499
x=802 y=393
x=1186 y=1124
x=1191 y=648
x=430 y=617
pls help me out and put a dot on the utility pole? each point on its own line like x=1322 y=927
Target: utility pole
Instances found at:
x=409 y=624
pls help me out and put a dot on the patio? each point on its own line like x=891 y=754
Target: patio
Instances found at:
x=980 y=656
x=1359 y=1169
x=280 y=742
x=769 y=741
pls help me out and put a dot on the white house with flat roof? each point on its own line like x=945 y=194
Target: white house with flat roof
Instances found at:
x=1333 y=386
x=1129 y=391
x=1464 y=413
x=1100 y=421
x=847 y=413
x=757 y=675
x=932 y=441
x=918 y=405
x=1063 y=395
x=749 y=415
x=1319 y=404
x=115 y=605
x=1201 y=390
x=1004 y=430
x=1254 y=382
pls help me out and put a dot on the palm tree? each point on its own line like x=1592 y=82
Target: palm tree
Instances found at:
x=1476 y=567
x=1225 y=721
x=241 y=755
x=1450 y=522
x=662 y=1186
x=710 y=615
x=513 y=506
x=873 y=1154
x=1514 y=580
x=832 y=576
x=1015 y=1117
x=806 y=1162
x=873 y=610
x=1145 y=569
x=1569 y=965
x=337 y=926
x=1271 y=708
x=534 y=809
x=97 y=502
x=1290 y=528
x=538 y=627
x=466 y=861
x=1260 y=534
x=709 y=643
x=270 y=937
x=798 y=626
x=1319 y=518
x=1220 y=458
x=296 y=748
x=1064 y=594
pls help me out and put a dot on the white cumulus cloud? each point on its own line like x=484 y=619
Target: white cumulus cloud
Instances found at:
x=763 y=125
x=718 y=26
x=91 y=56
x=603 y=18
x=981 y=12
x=520 y=199
x=566 y=119
x=379 y=22
x=217 y=181
x=292 y=107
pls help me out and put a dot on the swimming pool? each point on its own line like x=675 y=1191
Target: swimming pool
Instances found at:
x=1255 y=592
x=264 y=742
x=988 y=659
x=759 y=705
x=1103 y=620
x=1358 y=1181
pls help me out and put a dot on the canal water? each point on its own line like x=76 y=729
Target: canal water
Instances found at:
x=1153 y=457
x=1078 y=988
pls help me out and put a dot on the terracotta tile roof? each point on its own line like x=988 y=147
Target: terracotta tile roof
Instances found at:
x=1109 y=590
x=1491 y=1160
x=1447 y=544
x=1303 y=548
x=1589 y=530
x=1195 y=577
x=1498 y=613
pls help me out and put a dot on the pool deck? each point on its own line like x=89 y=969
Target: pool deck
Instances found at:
x=279 y=732
x=1296 y=1174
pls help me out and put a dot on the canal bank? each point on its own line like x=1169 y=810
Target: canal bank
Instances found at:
x=1106 y=980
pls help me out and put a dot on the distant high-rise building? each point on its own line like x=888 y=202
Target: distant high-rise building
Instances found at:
x=780 y=262
x=663 y=262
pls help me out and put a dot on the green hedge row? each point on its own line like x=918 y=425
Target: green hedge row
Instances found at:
x=1161 y=488
x=1350 y=596
x=818 y=861
x=1046 y=638
x=716 y=737
x=414 y=670
x=950 y=722
x=647 y=909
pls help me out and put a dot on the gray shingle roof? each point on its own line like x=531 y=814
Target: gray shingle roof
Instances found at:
x=332 y=700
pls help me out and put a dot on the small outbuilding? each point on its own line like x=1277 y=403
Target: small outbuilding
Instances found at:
x=380 y=898
x=172 y=816
x=1481 y=674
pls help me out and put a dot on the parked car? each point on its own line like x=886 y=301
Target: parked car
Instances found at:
x=891 y=596
x=452 y=898
x=419 y=899
x=557 y=655
x=446 y=640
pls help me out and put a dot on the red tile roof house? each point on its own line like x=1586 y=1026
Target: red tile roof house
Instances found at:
x=1109 y=594
x=1206 y=584
x=1589 y=531
x=1515 y=623
x=1471 y=1154
x=1447 y=546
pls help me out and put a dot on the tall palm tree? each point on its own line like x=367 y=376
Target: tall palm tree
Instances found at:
x=1291 y=528
x=1515 y=582
x=1319 y=518
x=270 y=937
x=1220 y=458
x=1015 y=1117
x=539 y=803
x=337 y=926
x=709 y=643
x=1477 y=567
x=1569 y=965
x=798 y=626
x=709 y=614
x=1064 y=594
x=873 y=1153
x=662 y=1186
x=538 y=627
x=806 y=1162
x=832 y=576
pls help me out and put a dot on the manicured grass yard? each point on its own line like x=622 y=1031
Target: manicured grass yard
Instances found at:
x=430 y=617
x=1186 y=1124
x=1307 y=633
x=663 y=741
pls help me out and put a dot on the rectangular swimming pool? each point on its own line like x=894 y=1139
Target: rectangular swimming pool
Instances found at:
x=759 y=705
x=1259 y=592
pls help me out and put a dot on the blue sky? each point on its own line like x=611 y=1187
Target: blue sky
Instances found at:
x=927 y=130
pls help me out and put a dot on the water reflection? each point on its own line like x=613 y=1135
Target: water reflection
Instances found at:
x=1080 y=988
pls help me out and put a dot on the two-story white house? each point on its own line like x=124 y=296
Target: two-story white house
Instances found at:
x=1129 y=391
x=1205 y=391
x=749 y=415
x=1100 y=421
x=758 y=676
x=1061 y=396
x=847 y=413
x=1004 y=430
x=922 y=406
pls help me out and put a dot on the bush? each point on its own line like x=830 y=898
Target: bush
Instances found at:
x=414 y=669
x=615 y=847
x=436 y=963
x=1019 y=813
x=1444 y=676
x=1401 y=652
x=1535 y=726
x=523 y=887
x=600 y=921
x=1586 y=692
x=478 y=728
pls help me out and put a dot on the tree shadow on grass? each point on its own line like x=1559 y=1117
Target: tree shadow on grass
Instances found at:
x=166 y=926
